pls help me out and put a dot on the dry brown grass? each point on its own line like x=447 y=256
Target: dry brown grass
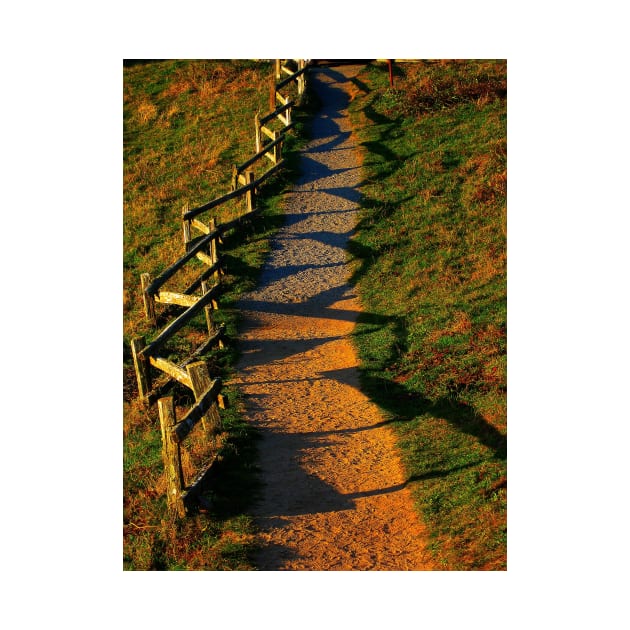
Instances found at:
x=185 y=124
x=430 y=87
x=433 y=252
x=145 y=112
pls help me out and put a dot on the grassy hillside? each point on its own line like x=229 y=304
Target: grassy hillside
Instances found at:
x=430 y=263
x=185 y=124
x=429 y=259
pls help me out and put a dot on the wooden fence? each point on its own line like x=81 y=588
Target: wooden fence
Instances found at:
x=156 y=374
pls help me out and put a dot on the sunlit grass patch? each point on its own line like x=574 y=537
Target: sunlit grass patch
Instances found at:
x=430 y=262
x=185 y=124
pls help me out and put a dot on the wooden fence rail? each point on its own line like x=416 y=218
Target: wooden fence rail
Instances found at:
x=173 y=433
x=190 y=372
x=238 y=170
x=293 y=77
x=146 y=355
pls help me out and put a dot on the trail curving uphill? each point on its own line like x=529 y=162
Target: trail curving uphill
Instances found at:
x=334 y=494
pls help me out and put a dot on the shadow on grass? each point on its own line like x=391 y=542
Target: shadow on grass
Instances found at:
x=361 y=85
x=365 y=255
x=232 y=483
x=405 y=405
x=128 y=63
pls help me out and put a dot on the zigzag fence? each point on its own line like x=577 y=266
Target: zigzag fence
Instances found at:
x=156 y=373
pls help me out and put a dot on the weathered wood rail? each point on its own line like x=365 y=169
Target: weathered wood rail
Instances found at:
x=156 y=374
x=179 y=493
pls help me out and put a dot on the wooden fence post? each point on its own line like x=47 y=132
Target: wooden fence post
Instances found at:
x=141 y=366
x=186 y=224
x=171 y=456
x=149 y=304
x=278 y=74
x=301 y=79
x=272 y=95
x=250 y=198
x=277 y=150
x=214 y=254
x=208 y=310
x=257 y=125
x=201 y=381
x=212 y=328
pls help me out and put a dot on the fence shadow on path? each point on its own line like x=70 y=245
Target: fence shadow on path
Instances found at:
x=315 y=306
x=293 y=491
x=403 y=406
x=290 y=489
x=400 y=405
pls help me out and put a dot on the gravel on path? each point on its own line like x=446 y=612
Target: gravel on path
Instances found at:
x=334 y=494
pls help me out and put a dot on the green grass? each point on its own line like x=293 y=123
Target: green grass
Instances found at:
x=185 y=124
x=430 y=264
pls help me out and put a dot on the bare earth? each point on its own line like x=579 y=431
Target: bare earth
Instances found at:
x=334 y=495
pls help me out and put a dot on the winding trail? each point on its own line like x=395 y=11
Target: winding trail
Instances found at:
x=334 y=494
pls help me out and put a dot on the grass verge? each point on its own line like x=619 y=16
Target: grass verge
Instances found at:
x=185 y=124
x=430 y=263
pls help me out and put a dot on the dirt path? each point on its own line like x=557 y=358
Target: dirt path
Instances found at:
x=334 y=496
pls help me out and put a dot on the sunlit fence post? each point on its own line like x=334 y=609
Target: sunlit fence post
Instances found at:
x=202 y=297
